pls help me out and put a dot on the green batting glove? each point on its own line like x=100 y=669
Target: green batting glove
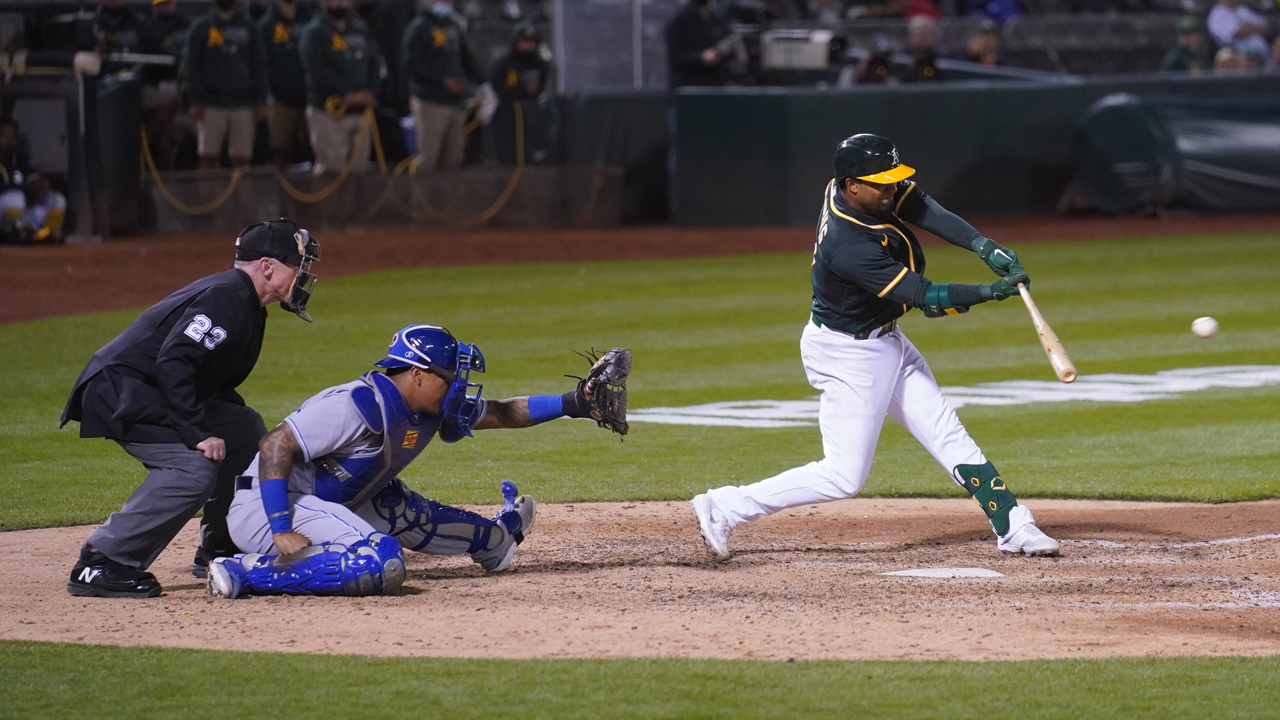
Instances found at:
x=1005 y=287
x=1001 y=260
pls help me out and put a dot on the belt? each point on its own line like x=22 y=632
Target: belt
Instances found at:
x=884 y=329
x=244 y=482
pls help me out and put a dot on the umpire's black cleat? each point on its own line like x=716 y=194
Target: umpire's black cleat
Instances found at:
x=97 y=576
x=200 y=564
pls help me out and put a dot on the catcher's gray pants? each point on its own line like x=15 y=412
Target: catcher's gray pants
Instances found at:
x=179 y=482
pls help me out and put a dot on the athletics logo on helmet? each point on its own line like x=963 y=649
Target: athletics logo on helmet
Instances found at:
x=870 y=158
x=437 y=351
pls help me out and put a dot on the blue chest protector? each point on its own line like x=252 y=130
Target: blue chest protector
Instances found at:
x=351 y=480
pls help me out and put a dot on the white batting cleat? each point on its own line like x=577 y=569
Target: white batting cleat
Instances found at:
x=713 y=526
x=1028 y=540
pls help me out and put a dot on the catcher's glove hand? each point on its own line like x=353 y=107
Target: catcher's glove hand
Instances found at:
x=602 y=394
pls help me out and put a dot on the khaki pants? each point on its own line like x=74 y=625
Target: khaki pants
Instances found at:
x=288 y=125
x=333 y=140
x=440 y=132
x=234 y=126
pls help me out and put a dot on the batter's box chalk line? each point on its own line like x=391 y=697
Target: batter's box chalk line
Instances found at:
x=946 y=572
x=1107 y=387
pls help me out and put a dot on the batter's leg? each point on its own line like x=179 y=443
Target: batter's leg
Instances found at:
x=919 y=406
x=856 y=380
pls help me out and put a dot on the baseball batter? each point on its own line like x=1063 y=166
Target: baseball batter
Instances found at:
x=868 y=271
x=321 y=511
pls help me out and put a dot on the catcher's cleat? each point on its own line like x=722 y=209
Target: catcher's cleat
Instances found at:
x=1028 y=540
x=517 y=522
x=713 y=526
x=110 y=579
x=226 y=578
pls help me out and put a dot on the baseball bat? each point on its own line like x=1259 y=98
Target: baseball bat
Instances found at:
x=1058 y=359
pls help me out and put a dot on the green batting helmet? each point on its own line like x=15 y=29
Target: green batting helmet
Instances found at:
x=871 y=158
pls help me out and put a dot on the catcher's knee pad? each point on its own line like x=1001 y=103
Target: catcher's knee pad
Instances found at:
x=989 y=491
x=376 y=565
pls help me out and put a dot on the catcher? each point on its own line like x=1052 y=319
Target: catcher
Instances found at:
x=320 y=510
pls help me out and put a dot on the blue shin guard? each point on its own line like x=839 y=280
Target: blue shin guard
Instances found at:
x=371 y=566
x=424 y=525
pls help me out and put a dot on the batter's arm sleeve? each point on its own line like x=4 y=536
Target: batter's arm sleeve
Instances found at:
x=205 y=325
x=923 y=211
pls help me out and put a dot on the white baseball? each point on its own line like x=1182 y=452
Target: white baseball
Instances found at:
x=1205 y=327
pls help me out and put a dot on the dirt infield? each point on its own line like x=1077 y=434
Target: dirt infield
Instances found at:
x=632 y=580
x=37 y=282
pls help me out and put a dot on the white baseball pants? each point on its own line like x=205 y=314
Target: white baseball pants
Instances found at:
x=860 y=381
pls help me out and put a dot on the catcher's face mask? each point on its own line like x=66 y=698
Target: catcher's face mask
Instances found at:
x=460 y=406
x=305 y=280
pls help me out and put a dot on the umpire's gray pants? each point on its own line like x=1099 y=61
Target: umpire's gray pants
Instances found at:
x=179 y=482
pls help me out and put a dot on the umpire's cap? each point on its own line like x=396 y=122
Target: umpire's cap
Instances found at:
x=280 y=239
x=871 y=158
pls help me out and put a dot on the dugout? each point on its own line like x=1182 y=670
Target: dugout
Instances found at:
x=1136 y=153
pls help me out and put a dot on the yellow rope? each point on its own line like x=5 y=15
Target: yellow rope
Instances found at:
x=501 y=202
x=314 y=197
x=175 y=202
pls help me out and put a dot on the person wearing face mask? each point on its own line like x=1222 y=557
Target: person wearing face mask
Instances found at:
x=693 y=39
x=116 y=29
x=168 y=29
x=342 y=68
x=521 y=75
x=226 y=84
x=281 y=31
x=442 y=73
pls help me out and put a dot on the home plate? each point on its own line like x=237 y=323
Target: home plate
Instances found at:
x=946 y=572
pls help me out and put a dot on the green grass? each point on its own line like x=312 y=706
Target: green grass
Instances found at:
x=102 y=682
x=727 y=329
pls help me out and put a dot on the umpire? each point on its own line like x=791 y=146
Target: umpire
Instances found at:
x=165 y=390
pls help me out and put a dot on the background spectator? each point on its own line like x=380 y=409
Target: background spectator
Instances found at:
x=922 y=38
x=30 y=209
x=520 y=74
x=827 y=11
x=693 y=39
x=118 y=29
x=1191 y=54
x=1251 y=58
x=442 y=72
x=1235 y=26
x=167 y=28
x=281 y=31
x=1227 y=60
x=342 y=68
x=226 y=86
x=984 y=46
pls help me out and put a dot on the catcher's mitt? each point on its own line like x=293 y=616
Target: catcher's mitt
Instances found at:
x=602 y=394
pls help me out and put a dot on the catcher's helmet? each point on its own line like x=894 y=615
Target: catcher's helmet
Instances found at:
x=871 y=158
x=436 y=350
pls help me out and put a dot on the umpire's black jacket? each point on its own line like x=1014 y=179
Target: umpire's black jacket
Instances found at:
x=151 y=383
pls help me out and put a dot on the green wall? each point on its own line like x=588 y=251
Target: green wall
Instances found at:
x=761 y=156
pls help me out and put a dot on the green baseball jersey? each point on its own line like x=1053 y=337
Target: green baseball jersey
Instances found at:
x=224 y=65
x=868 y=270
x=338 y=60
x=281 y=37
